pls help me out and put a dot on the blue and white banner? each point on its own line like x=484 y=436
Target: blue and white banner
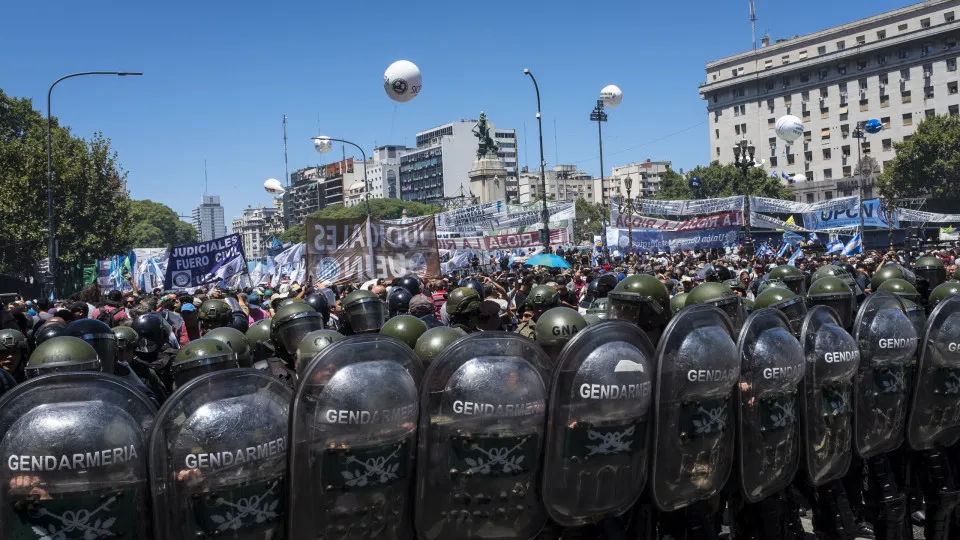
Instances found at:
x=780 y=206
x=849 y=215
x=670 y=241
x=193 y=265
x=835 y=246
x=798 y=254
x=854 y=246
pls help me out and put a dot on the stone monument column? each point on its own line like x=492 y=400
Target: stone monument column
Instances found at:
x=488 y=176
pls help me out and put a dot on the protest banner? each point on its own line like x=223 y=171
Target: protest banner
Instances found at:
x=670 y=241
x=193 y=265
x=726 y=219
x=849 y=215
x=351 y=250
x=503 y=241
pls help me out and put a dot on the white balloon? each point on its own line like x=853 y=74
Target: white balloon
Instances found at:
x=402 y=81
x=789 y=128
x=272 y=185
x=322 y=144
x=799 y=178
x=611 y=95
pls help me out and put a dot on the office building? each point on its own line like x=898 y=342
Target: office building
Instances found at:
x=314 y=188
x=256 y=227
x=646 y=178
x=898 y=67
x=564 y=183
x=208 y=218
x=383 y=171
x=437 y=168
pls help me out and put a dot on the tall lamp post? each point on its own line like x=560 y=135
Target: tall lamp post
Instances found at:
x=598 y=116
x=324 y=148
x=630 y=207
x=545 y=214
x=743 y=158
x=51 y=232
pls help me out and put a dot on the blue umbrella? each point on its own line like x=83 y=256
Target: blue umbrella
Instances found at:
x=547 y=259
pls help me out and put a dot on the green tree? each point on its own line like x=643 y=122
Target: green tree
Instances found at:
x=292 y=234
x=91 y=205
x=718 y=180
x=589 y=220
x=379 y=209
x=927 y=165
x=157 y=225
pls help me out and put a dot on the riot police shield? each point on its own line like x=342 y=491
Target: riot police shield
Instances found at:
x=595 y=462
x=887 y=342
x=353 y=432
x=218 y=458
x=697 y=369
x=75 y=452
x=831 y=360
x=771 y=369
x=482 y=419
x=934 y=416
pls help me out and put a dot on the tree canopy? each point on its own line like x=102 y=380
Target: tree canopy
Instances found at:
x=927 y=165
x=589 y=220
x=718 y=180
x=379 y=209
x=157 y=225
x=91 y=205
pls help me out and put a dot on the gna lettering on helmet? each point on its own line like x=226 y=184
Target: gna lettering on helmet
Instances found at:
x=565 y=330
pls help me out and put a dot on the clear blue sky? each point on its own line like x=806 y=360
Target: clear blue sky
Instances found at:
x=219 y=76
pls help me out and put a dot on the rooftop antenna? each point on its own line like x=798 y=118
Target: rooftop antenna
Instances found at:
x=286 y=168
x=204 y=176
x=753 y=25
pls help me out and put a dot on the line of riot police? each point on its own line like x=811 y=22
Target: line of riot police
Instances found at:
x=648 y=417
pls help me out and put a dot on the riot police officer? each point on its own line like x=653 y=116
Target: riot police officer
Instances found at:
x=320 y=304
x=127 y=362
x=258 y=338
x=312 y=344
x=599 y=308
x=590 y=319
x=201 y=356
x=901 y=288
x=411 y=283
x=642 y=300
x=791 y=276
x=398 y=302
x=62 y=354
x=13 y=356
x=833 y=292
x=100 y=337
x=364 y=312
x=434 y=341
x=476 y=285
x=288 y=327
x=942 y=292
x=718 y=295
x=406 y=328
x=154 y=346
x=555 y=328
x=463 y=307
x=236 y=340
x=214 y=314
x=931 y=272
x=890 y=271
x=785 y=301
x=540 y=299
x=49 y=330
x=677 y=302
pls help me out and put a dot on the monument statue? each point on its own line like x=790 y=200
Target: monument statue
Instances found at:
x=485 y=141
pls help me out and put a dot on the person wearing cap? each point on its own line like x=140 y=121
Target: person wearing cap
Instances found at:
x=254 y=311
x=191 y=321
x=421 y=306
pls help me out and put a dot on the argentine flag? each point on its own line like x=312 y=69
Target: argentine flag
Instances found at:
x=835 y=246
x=764 y=250
x=783 y=249
x=798 y=254
x=854 y=246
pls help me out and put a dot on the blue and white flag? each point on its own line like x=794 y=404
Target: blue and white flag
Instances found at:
x=784 y=175
x=783 y=249
x=854 y=246
x=797 y=254
x=203 y=263
x=835 y=246
x=764 y=250
x=814 y=238
x=792 y=238
x=774 y=174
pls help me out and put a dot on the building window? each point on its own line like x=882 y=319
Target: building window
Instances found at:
x=821 y=50
x=882 y=59
x=773 y=161
x=843 y=114
x=952 y=87
x=736 y=129
x=785 y=59
x=805 y=77
x=847 y=171
x=883 y=78
x=787 y=81
x=925 y=23
x=881 y=34
x=823 y=73
x=827 y=195
x=743 y=128
x=906 y=97
x=864 y=105
x=845 y=150
x=824 y=92
x=733 y=73
x=808 y=156
x=948 y=17
x=845 y=130
x=790 y=159
x=930 y=113
x=807 y=136
x=886 y=122
x=861 y=40
x=806 y=116
x=951 y=64
x=802 y=55
x=863 y=84
x=767 y=64
x=884 y=101
x=907 y=119
x=716 y=133
x=902 y=54
x=954 y=110
x=716 y=97
x=824 y=113
x=905 y=74
x=841 y=69
x=771 y=123
x=861 y=65
x=825 y=134
x=926 y=49
x=887 y=144
x=787 y=101
x=769 y=85
x=826 y=153
x=928 y=92
x=865 y=147
x=843 y=90
x=841 y=45
x=738 y=92
x=902 y=27
x=805 y=96
x=810 y=198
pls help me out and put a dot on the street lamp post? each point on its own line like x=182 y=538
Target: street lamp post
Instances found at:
x=630 y=208
x=51 y=232
x=860 y=134
x=545 y=215
x=743 y=158
x=598 y=116
x=366 y=186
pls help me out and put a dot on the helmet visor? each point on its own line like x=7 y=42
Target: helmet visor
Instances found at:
x=291 y=331
x=636 y=308
x=795 y=310
x=733 y=308
x=843 y=304
x=933 y=275
x=106 y=347
x=365 y=316
x=61 y=367
x=796 y=284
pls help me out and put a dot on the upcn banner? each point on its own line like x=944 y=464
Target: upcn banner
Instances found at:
x=352 y=250
x=849 y=216
x=193 y=265
x=670 y=241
